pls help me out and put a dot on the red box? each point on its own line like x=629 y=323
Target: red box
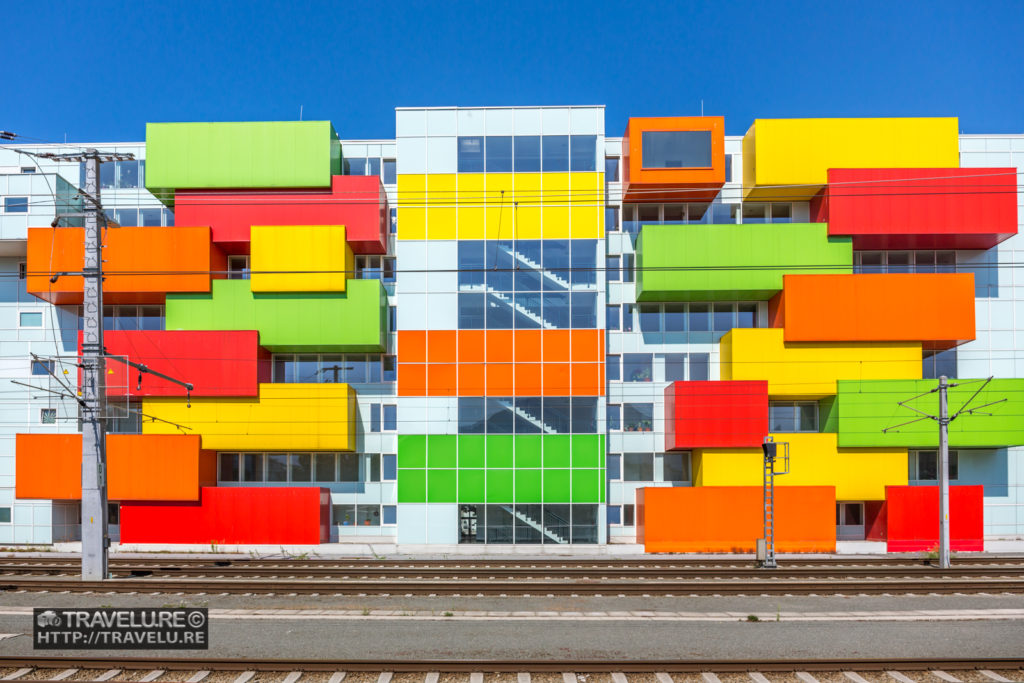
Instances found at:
x=357 y=202
x=919 y=208
x=265 y=515
x=716 y=414
x=217 y=363
x=912 y=514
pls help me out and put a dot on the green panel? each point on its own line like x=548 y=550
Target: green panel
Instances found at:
x=471 y=486
x=528 y=486
x=556 y=486
x=556 y=450
x=866 y=407
x=586 y=486
x=828 y=415
x=732 y=262
x=297 y=321
x=256 y=154
x=412 y=450
x=441 y=451
x=528 y=450
x=499 y=486
x=500 y=450
x=441 y=486
x=588 y=450
x=471 y=450
x=412 y=486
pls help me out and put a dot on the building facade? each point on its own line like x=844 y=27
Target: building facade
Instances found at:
x=505 y=327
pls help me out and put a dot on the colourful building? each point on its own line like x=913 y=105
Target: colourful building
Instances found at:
x=505 y=327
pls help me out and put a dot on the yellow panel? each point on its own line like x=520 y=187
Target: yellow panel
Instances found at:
x=587 y=213
x=815 y=460
x=300 y=258
x=810 y=370
x=471 y=205
x=500 y=206
x=412 y=216
x=441 y=195
x=285 y=417
x=556 y=195
x=528 y=213
x=799 y=152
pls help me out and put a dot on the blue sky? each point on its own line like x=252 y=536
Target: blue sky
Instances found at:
x=352 y=64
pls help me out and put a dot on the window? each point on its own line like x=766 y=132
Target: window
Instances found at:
x=238 y=267
x=904 y=261
x=526 y=153
x=613 y=466
x=374 y=417
x=130 y=318
x=356 y=515
x=390 y=417
x=16 y=204
x=48 y=416
x=638 y=367
x=583 y=153
x=676 y=149
x=389 y=515
x=228 y=467
x=614 y=416
x=611 y=169
x=938 y=363
x=850 y=521
x=127 y=173
x=793 y=416
x=394 y=221
x=390 y=172
x=614 y=513
x=612 y=317
x=675 y=467
x=527 y=415
x=42 y=367
x=555 y=153
x=30 y=319
x=28 y=169
x=499 y=154
x=628 y=261
x=389 y=467
x=675 y=367
x=113 y=513
x=611 y=219
x=612 y=268
x=728 y=168
x=638 y=417
x=924 y=465
x=5 y=515
x=22 y=270
x=628 y=515
x=327 y=368
x=471 y=154
x=613 y=368
x=638 y=466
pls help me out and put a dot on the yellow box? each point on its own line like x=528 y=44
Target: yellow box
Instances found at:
x=285 y=417
x=798 y=152
x=300 y=258
x=528 y=212
x=441 y=213
x=501 y=208
x=471 y=198
x=556 y=213
x=810 y=370
x=412 y=213
x=587 y=219
x=815 y=460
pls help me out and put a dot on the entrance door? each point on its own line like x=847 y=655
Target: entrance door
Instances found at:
x=850 y=521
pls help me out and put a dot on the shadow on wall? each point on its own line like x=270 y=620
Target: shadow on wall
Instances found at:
x=987 y=467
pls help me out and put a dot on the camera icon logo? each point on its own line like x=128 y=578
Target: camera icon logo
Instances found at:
x=48 y=618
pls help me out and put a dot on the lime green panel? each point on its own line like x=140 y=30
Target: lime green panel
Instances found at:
x=528 y=486
x=556 y=486
x=471 y=486
x=866 y=407
x=588 y=450
x=528 y=450
x=298 y=321
x=471 y=450
x=556 y=450
x=254 y=154
x=441 y=451
x=828 y=415
x=499 y=486
x=412 y=450
x=500 y=450
x=732 y=262
x=441 y=486
x=586 y=486
x=412 y=486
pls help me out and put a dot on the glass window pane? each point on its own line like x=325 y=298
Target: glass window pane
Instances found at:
x=348 y=466
x=899 y=262
x=611 y=317
x=584 y=415
x=367 y=515
x=612 y=368
x=499 y=154
x=472 y=264
x=558 y=414
x=628 y=313
x=556 y=153
x=529 y=415
x=638 y=417
x=106 y=175
x=390 y=172
x=150 y=217
x=471 y=416
x=650 y=318
x=228 y=467
x=389 y=369
x=471 y=154
x=699 y=318
x=307 y=369
x=584 y=262
x=698 y=213
x=528 y=518
x=628 y=512
x=612 y=268
x=374 y=417
x=344 y=515
x=128 y=174
x=389 y=514
x=675 y=367
x=373 y=166
x=782 y=417
x=583 y=149
x=674 y=467
x=557 y=309
x=252 y=467
x=808 y=417
x=675 y=214
x=629 y=222
x=611 y=219
x=871 y=262
x=700 y=367
x=613 y=465
x=151 y=318
x=637 y=367
x=127 y=217
x=927 y=465
x=638 y=466
x=324 y=467
x=754 y=212
x=954 y=466
x=390 y=417
x=471 y=311
x=613 y=415
x=747 y=315
x=584 y=310
x=676 y=149
x=389 y=467
x=301 y=467
x=584 y=522
x=614 y=513
x=723 y=317
x=675 y=317
x=500 y=416
x=498 y=523
x=527 y=153
x=781 y=213
x=611 y=169
x=277 y=467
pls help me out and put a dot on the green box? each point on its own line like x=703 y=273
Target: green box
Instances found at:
x=250 y=154
x=528 y=488
x=442 y=451
x=732 y=262
x=557 y=449
x=471 y=450
x=528 y=450
x=314 y=322
x=412 y=451
x=412 y=486
x=588 y=450
x=500 y=450
x=556 y=486
x=471 y=486
x=586 y=486
x=441 y=486
x=499 y=486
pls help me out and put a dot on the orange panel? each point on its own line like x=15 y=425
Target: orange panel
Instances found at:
x=641 y=184
x=500 y=379
x=716 y=519
x=472 y=346
x=471 y=379
x=587 y=346
x=529 y=345
x=586 y=379
x=139 y=466
x=556 y=346
x=441 y=378
x=500 y=346
x=412 y=346
x=170 y=259
x=556 y=379
x=441 y=346
x=529 y=379
x=936 y=309
x=412 y=379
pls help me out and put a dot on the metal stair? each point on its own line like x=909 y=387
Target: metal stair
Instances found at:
x=533 y=265
x=530 y=521
x=529 y=417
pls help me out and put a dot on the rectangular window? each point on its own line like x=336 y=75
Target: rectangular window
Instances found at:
x=390 y=174
x=252 y=467
x=613 y=465
x=699 y=318
x=389 y=515
x=367 y=515
x=5 y=515
x=676 y=149
x=793 y=416
x=22 y=270
x=938 y=363
x=627 y=317
x=611 y=219
x=628 y=517
x=638 y=417
x=390 y=417
x=301 y=466
x=728 y=168
x=612 y=268
x=650 y=318
x=48 y=416
x=228 y=467
x=348 y=467
x=471 y=154
x=42 y=367
x=675 y=467
x=699 y=367
x=28 y=169
x=527 y=153
x=389 y=467
x=113 y=513
x=30 y=319
x=555 y=150
x=924 y=465
x=638 y=466
x=277 y=467
x=374 y=417
x=628 y=262
x=238 y=267
x=324 y=463
x=675 y=367
x=675 y=317
x=583 y=153
x=16 y=204
x=611 y=169
x=612 y=365
x=614 y=513
x=394 y=221
x=499 y=154
x=638 y=367
x=612 y=315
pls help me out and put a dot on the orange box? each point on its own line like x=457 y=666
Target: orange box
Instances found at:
x=556 y=346
x=412 y=379
x=936 y=309
x=141 y=265
x=674 y=184
x=729 y=519
x=500 y=380
x=139 y=466
x=529 y=379
x=441 y=379
x=472 y=380
x=441 y=346
x=412 y=346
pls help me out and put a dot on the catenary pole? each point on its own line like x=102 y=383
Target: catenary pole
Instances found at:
x=943 y=473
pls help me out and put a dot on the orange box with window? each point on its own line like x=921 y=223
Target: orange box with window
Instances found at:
x=673 y=159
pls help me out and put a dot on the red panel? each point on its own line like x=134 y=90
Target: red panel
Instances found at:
x=913 y=518
x=217 y=363
x=270 y=515
x=919 y=208
x=876 y=516
x=716 y=414
x=357 y=202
